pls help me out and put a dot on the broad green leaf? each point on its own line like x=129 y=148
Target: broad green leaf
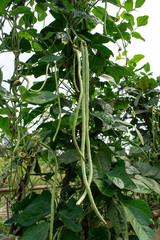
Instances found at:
x=106 y=51
x=96 y=38
x=36 y=232
x=5 y=94
x=137 y=36
x=42 y=16
x=13 y=219
x=20 y=10
x=98 y=233
x=138 y=214
x=25 y=202
x=34 y=213
x=114 y=2
x=149 y=170
x=70 y=215
x=152 y=184
x=117 y=72
x=71 y=155
x=97 y=62
x=4 y=4
x=102 y=159
x=120 y=178
x=25 y=45
x=51 y=157
x=69 y=5
x=105 y=117
x=105 y=186
x=128 y=5
x=5 y=124
x=117 y=216
x=137 y=58
x=39 y=208
x=142 y=21
x=67 y=234
x=147 y=67
x=40 y=7
x=99 y=12
x=128 y=17
x=139 y=3
x=143 y=83
x=140 y=187
x=41 y=98
x=50 y=58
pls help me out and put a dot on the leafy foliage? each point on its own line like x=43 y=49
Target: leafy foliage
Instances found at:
x=88 y=125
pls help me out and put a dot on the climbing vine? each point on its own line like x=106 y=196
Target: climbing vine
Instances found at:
x=80 y=117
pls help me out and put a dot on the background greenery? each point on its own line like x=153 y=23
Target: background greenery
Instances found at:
x=38 y=124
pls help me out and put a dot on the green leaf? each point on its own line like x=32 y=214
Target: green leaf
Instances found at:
x=20 y=10
x=5 y=94
x=142 y=21
x=42 y=16
x=117 y=72
x=140 y=187
x=149 y=171
x=39 y=208
x=50 y=58
x=114 y=2
x=105 y=186
x=120 y=178
x=137 y=58
x=137 y=36
x=41 y=98
x=105 y=117
x=70 y=215
x=1 y=76
x=147 y=67
x=98 y=233
x=25 y=202
x=152 y=184
x=66 y=234
x=128 y=17
x=139 y=3
x=69 y=5
x=117 y=216
x=51 y=156
x=36 y=232
x=40 y=7
x=4 y=125
x=97 y=62
x=143 y=83
x=25 y=45
x=128 y=5
x=4 y=4
x=139 y=215
x=71 y=155
x=102 y=159
x=99 y=12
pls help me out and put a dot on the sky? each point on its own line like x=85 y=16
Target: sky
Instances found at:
x=151 y=32
x=150 y=48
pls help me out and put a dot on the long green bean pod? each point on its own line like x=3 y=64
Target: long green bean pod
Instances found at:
x=84 y=138
x=36 y=91
x=78 y=106
x=105 y=19
x=53 y=191
x=59 y=104
x=86 y=87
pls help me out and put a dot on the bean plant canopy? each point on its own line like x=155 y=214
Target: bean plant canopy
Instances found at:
x=80 y=116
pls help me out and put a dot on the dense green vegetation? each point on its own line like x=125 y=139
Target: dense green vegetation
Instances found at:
x=88 y=125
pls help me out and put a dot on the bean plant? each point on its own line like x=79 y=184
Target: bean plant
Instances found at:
x=80 y=116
